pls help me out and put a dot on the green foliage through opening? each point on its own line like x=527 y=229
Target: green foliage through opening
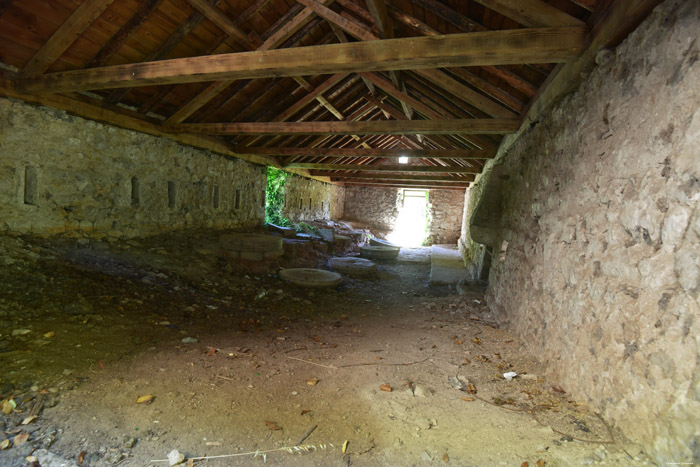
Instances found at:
x=274 y=197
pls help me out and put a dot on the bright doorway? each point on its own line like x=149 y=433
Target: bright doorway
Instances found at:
x=411 y=227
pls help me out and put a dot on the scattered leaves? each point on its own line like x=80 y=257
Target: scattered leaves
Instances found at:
x=385 y=387
x=541 y=463
x=558 y=389
x=145 y=399
x=305 y=411
x=4 y=444
x=445 y=458
x=466 y=360
x=29 y=420
x=477 y=340
x=211 y=351
x=20 y=439
x=467 y=399
x=49 y=334
x=471 y=388
x=345 y=446
x=312 y=382
x=525 y=464
x=81 y=457
x=459 y=341
x=272 y=426
x=8 y=405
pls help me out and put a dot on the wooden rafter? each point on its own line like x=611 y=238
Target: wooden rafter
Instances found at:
x=372 y=152
x=543 y=45
x=426 y=177
x=217 y=17
x=382 y=168
x=532 y=13
x=468 y=126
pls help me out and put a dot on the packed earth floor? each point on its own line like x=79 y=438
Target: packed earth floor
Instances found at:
x=118 y=353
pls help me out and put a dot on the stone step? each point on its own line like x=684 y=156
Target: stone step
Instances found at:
x=446 y=265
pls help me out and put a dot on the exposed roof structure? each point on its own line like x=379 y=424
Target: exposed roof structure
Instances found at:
x=336 y=89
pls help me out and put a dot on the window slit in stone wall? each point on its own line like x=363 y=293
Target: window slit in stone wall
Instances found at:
x=135 y=191
x=215 y=197
x=311 y=206
x=31 y=188
x=301 y=203
x=172 y=194
x=237 y=201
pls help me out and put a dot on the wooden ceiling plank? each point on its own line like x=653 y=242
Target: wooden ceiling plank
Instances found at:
x=531 y=13
x=352 y=27
x=377 y=127
x=4 y=5
x=454 y=178
x=372 y=153
x=144 y=12
x=217 y=17
x=402 y=168
x=67 y=33
x=378 y=10
x=465 y=93
x=197 y=102
x=494 y=91
x=403 y=185
x=546 y=45
x=383 y=83
x=590 y=5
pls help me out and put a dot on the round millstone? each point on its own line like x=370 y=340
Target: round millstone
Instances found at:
x=307 y=277
x=379 y=252
x=353 y=266
x=380 y=242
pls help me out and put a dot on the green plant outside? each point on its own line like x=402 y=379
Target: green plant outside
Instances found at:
x=274 y=197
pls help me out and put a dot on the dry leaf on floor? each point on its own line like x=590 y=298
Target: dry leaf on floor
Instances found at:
x=29 y=420
x=8 y=405
x=145 y=399
x=213 y=443
x=272 y=426
x=20 y=439
x=541 y=463
x=4 y=444
x=471 y=388
x=211 y=351
x=466 y=360
x=467 y=399
x=385 y=387
x=81 y=457
x=558 y=389
x=477 y=340
x=49 y=335
x=445 y=458
x=459 y=341
x=305 y=411
x=312 y=381
x=345 y=446
x=525 y=464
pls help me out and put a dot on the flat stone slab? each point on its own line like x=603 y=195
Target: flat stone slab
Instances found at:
x=446 y=265
x=251 y=243
x=307 y=277
x=380 y=242
x=379 y=252
x=353 y=266
x=287 y=232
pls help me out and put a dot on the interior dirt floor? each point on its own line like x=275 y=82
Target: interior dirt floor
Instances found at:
x=387 y=370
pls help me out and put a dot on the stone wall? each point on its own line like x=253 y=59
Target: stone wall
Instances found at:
x=376 y=207
x=601 y=274
x=307 y=199
x=446 y=212
x=61 y=174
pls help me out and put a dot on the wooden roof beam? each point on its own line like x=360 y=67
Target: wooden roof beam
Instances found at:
x=67 y=33
x=376 y=127
x=217 y=17
x=382 y=168
x=369 y=176
x=531 y=13
x=372 y=152
x=410 y=185
x=546 y=45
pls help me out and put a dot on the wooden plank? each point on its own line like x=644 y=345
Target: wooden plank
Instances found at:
x=426 y=186
x=4 y=5
x=408 y=180
x=352 y=27
x=307 y=99
x=377 y=127
x=448 y=14
x=197 y=102
x=389 y=87
x=590 y=5
x=465 y=93
x=531 y=13
x=488 y=88
x=141 y=15
x=378 y=10
x=384 y=168
x=67 y=33
x=371 y=152
x=389 y=176
x=545 y=45
x=217 y=17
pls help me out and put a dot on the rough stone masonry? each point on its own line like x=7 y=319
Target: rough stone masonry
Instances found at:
x=600 y=232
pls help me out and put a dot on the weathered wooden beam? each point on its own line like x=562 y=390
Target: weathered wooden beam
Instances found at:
x=371 y=152
x=384 y=168
x=217 y=17
x=145 y=10
x=589 y=5
x=352 y=27
x=378 y=10
x=545 y=45
x=67 y=33
x=197 y=102
x=377 y=127
x=440 y=182
x=462 y=178
x=389 y=184
x=532 y=13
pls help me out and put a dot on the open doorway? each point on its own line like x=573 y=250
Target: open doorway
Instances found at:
x=411 y=228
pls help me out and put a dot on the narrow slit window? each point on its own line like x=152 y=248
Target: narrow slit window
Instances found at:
x=311 y=206
x=172 y=194
x=215 y=197
x=31 y=188
x=237 y=201
x=135 y=191
x=301 y=203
